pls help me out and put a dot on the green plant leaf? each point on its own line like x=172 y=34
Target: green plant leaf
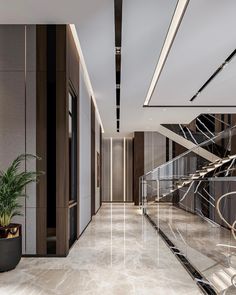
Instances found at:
x=12 y=186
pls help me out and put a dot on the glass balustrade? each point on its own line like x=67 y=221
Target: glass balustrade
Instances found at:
x=202 y=129
x=191 y=201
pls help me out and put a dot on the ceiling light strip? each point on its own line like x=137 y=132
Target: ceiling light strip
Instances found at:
x=172 y=31
x=85 y=71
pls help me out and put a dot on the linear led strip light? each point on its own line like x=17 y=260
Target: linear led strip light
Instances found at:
x=85 y=71
x=172 y=31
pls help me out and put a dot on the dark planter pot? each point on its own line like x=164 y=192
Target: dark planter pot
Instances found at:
x=10 y=247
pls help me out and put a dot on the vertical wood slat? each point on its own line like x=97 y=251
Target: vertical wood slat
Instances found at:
x=62 y=143
x=218 y=123
x=41 y=138
x=101 y=180
x=233 y=138
x=73 y=70
x=93 y=158
x=78 y=157
x=138 y=163
x=67 y=72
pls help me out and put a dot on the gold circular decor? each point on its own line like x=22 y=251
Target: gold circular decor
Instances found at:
x=231 y=226
x=9 y=232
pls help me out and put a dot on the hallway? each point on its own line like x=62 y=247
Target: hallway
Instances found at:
x=119 y=253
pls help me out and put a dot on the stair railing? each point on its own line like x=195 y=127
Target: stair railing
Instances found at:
x=180 y=167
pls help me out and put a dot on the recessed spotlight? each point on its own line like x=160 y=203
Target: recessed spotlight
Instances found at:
x=225 y=65
x=164 y=110
x=118 y=50
x=195 y=96
x=150 y=119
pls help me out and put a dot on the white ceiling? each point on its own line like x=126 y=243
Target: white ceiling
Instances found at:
x=94 y=21
x=206 y=37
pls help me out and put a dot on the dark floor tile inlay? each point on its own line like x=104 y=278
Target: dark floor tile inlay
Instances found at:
x=201 y=281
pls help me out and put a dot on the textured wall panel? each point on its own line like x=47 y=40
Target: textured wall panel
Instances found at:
x=106 y=170
x=154 y=150
x=18 y=114
x=12 y=127
x=118 y=170
x=12 y=48
x=31 y=136
x=122 y=190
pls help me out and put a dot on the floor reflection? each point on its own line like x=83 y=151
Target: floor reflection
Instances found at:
x=119 y=253
x=209 y=247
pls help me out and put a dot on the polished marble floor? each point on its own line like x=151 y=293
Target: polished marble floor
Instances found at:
x=211 y=249
x=119 y=253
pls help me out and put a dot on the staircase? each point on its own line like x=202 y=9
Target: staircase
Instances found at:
x=203 y=152
x=203 y=128
x=213 y=169
x=195 y=165
x=194 y=181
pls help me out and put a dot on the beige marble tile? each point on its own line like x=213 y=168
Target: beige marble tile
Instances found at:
x=119 y=253
x=211 y=249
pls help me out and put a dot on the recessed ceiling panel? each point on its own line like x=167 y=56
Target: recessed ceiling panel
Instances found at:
x=205 y=39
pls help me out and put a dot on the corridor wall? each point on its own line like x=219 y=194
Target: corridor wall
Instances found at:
x=117 y=170
x=18 y=113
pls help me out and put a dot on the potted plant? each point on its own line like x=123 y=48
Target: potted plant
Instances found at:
x=12 y=186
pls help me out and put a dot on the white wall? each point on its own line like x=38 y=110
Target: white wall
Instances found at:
x=85 y=155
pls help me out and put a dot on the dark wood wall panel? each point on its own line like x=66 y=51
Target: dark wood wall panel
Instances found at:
x=233 y=139
x=73 y=72
x=41 y=138
x=138 y=163
x=73 y=62
x=62 y=146
x=101 y=177
x=67 y=77
x=93 y=149
x=178 y=149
